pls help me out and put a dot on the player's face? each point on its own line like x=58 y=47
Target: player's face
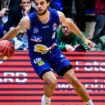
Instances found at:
x=41 y=6
x=66 y=30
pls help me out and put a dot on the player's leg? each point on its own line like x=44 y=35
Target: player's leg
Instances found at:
x=43 y=69
x=63 y=68
x=78 y=86
x=49 y=87
x=50 y=83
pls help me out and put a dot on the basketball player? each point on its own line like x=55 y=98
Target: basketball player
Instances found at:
x=44 y=51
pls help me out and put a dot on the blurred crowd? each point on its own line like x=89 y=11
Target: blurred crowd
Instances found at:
x=11 y=12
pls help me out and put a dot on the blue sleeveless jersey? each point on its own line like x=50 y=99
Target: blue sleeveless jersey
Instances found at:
x=41 y=36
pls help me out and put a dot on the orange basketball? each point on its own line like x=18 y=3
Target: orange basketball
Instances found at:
x=6 y=49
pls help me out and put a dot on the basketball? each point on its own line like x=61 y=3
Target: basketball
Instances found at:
x=6 y=49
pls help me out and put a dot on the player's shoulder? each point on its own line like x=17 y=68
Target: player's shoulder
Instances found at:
x=61 y=16
x=60 y=12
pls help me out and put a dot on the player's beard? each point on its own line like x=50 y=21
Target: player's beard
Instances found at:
x=44 y=12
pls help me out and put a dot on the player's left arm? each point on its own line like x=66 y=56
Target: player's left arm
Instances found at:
x=69 y=23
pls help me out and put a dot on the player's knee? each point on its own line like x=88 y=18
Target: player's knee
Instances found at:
x=70 y=76
x=52 y=82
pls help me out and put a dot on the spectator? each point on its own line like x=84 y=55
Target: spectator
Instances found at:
x=4 y=3
x=7 y=7
x=16 y=15
x=68 y=41
x=3 y=12
x=14 y=19
x=57 y=4
x=3 y=7
x=76 y=10
x=100 y=21
x=11 y=5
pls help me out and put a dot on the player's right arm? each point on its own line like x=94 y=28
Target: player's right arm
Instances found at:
x=73 y=27
x=24 y=24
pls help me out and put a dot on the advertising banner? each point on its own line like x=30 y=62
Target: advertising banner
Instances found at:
x=19 y=84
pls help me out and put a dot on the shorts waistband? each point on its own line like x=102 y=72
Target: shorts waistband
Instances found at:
x=49 y=49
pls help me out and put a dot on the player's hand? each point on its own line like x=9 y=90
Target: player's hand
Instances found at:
x=89 y=43
x=69 y=47
x=26 y=11
x=3 y=11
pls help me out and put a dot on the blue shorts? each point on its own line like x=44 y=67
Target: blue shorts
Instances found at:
x=53 y=59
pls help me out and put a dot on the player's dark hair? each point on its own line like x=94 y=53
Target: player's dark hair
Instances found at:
x=46 y=0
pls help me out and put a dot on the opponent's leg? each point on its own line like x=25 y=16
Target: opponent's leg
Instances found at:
x=49 y=87
x=80 y=89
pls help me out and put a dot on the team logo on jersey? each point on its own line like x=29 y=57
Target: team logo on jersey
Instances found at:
x=55 y=26
x=45 y=27
x=41 y=48
x=39 y=61
x=35 y=30
x=36 y=38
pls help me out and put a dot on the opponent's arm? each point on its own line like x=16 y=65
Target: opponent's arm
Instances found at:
x=70 y=24
x=23 y=25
